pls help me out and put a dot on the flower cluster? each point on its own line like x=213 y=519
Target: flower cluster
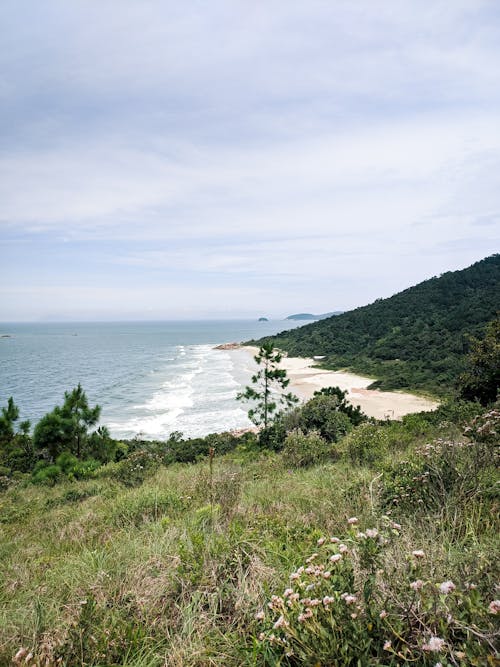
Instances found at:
x=340 y=603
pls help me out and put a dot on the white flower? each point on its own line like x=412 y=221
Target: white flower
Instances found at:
x=343 y=549
x=327 y=574
x=288 y=591
x=387 y=646
x=447 y=587
x=352 y=521
x=335 y=558
x=435 y=644
x=294 y=576
x=311 y=558
x=259 y=616
x=383 y=613
x=328 y=600
x=417 y=585
x=321 y=541
x=371 y=532
x=418 y=553
x=348 y=599
x=334 y=540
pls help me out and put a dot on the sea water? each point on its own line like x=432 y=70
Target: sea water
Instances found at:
x=150 y=378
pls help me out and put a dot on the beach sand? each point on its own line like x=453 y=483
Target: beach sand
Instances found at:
x=305 y=379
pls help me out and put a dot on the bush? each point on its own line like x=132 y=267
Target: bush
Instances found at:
x=46 y=474
x=341 y=608
x=322 y=414
x=306 y=449
x=367 y=444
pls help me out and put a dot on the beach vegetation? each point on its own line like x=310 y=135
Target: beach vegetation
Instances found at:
x=267 y=392
x=481 y=378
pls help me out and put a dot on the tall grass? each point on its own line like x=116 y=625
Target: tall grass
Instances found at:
x=173 y=572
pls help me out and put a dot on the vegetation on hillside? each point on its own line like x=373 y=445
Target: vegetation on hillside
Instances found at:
x=326 y=539
x=415 y=339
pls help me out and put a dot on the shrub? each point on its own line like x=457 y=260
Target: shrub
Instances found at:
x=47 y=474
x=367 y=444
x=306 y=449
x=322 y=414
x=342 y=608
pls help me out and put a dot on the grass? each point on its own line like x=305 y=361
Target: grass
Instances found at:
x=173 y=572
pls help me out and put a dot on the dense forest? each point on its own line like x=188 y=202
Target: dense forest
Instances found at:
x=415 y=339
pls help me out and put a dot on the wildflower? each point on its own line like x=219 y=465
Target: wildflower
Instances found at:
x=310 y=587
x=300 y=570
x=327 y=574
x=311 y=558
x=294 y=576
x=494 y=607
x=361 y=536
x=287 y=592
x=293 y=598
x=438 y=664
x=328 y=600
x=395 y=526
x=343 y=549
x=417 y=585
x=348 y=599
x=418 y=553
x=321 y=541
x=281 y=623
x=334 y=540
x=259 y=616
x=307 y=614
x=435 y=644
x=262 y=636
x=20 y=655
x=447 y=587
x=371 y=532
x=387 y=646
x=314 y=603
x=383 y=613
x=352 y=521
x=310 y=570
x=335 y=558
x=353 y=616
x=276 y=602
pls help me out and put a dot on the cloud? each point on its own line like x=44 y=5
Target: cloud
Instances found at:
x=321 y=145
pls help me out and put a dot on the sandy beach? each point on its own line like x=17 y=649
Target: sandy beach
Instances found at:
x=305 y=379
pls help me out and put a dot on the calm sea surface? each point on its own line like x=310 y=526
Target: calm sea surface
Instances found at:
x=150 y=378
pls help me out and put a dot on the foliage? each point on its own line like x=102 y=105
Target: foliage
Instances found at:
x=414 y=339
x=367 y=444
x=306 y=449
x=66 y=427
x=355 y=414
x=269 y=384
x=342 y=608
x=481 y=379
x=322 y=413
x=16 y=449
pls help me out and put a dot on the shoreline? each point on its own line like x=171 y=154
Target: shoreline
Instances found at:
x=305 y=379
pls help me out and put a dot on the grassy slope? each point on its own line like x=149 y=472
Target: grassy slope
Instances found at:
x=109 y=575
x=414 y=339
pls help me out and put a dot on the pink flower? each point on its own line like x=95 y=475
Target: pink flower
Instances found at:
x=321 y=541
x=288 y=591
x=328 y=600
x=417 y=585
x=352 y=521
x=418 y=553
x=348 y=599
x=383 y=613
x=435 y=644
x=327 y=574
x=311 y=558
x=259 y=616
x=387 y=646
x=334 y=540
x=371 y=532
x=335 y=558
x=447 y=587
x=343 y=549
x=494 y=607
x=281 y=623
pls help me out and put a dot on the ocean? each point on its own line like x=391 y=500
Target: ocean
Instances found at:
x=150 y=378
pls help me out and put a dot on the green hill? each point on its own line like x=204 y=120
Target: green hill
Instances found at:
x=414 y=339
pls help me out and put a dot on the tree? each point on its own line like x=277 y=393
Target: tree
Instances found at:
x=67 y=427
x=16 y=449
x=481 y=380
x=269 y=385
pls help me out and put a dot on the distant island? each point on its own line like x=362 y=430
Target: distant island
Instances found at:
x=263 y=319
x=310 y=316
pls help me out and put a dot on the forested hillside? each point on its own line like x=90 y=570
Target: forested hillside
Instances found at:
x=414 y=339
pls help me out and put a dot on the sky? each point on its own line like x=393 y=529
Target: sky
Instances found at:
x=167 y=160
